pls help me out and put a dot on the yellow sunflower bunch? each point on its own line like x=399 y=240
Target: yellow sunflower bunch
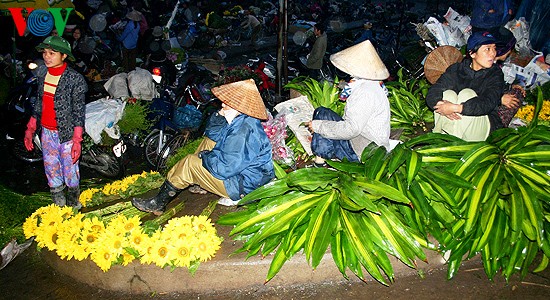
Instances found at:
x=182 y=242
x=118 y=187
x=526 y=113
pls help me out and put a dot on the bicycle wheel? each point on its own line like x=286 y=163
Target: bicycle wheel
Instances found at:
x=22 y=153
x=171 y=148
x=153 y=146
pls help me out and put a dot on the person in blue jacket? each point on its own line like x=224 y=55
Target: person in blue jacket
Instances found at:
x=489 y=15
x=233 y=159
x=129 y=39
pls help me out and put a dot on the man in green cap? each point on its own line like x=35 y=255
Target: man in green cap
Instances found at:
x=60 y=112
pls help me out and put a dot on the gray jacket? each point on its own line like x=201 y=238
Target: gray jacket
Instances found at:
x=69 y=102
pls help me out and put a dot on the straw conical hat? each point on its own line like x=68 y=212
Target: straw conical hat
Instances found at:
x=439 y=60
x=242 y=96
x=361 y=61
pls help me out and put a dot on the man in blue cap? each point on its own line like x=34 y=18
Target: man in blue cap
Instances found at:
x=466 y=97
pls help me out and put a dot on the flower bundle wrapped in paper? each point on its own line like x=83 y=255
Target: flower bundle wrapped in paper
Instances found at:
x=275 y=128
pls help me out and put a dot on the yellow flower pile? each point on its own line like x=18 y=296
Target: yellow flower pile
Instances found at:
x=182 y=242
x=118 y=187
x=526 y=113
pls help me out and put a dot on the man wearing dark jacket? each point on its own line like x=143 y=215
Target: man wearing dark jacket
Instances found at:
x=466 y=97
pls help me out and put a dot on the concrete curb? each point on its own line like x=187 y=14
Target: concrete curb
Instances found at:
x=225 y=272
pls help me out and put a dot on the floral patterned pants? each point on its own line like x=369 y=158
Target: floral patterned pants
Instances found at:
x=58 y=163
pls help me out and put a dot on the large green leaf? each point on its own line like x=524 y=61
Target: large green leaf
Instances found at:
x=322 y=225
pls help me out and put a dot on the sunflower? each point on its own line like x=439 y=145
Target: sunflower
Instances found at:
x=31 y=225
x=207 y=247
x=203 y=224
x=132 y=224
x=127 y=258
x=104 y=258
x=47 y=237
x=148 y=245
x=161 y=254
x=182 y=254
x=139 y=241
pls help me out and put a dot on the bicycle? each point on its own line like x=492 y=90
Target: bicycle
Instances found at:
x=199 y=97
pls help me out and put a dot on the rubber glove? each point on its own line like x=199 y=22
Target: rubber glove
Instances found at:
x=29 y=134
x=77 y=147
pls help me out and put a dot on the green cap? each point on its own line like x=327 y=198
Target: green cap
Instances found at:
x=58 y=44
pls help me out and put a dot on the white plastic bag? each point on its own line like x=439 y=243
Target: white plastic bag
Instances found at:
x=520 y=29
x=102 y=115
x=141 y=85
x=437 y=31
x=296 y=111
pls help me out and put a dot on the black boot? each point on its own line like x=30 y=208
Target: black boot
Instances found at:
x=157 y=204
x=73 y=197
x=58 y=195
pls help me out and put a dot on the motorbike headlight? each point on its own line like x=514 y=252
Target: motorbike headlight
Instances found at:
x=32 y=65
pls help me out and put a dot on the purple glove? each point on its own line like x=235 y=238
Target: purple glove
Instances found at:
x=29 y=133
x=77 y=147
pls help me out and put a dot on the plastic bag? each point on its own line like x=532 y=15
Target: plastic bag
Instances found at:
x=102 y=115
x=275 y=129
x=187 y=116
x=141 y=85
x=117 y=86
x=296 y=111
x=520 y=29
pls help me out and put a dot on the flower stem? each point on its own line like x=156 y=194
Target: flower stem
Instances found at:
x=168 y=214
x=207 y=211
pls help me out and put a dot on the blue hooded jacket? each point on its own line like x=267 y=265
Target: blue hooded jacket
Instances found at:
x=242 y=157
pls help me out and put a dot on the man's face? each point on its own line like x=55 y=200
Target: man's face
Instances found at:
x=484 y=58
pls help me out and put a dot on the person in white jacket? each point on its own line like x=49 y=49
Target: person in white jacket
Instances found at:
x=366 y=116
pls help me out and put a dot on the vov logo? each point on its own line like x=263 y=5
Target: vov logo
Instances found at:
x=39 y=19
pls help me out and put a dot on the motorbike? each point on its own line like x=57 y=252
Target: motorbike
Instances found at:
x=190 y=88
x=105 y=160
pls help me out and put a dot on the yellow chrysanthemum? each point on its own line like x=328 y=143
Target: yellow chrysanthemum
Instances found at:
x=527 y=112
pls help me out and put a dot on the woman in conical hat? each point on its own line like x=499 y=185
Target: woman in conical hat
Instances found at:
x=366 y=116
x=233 y=159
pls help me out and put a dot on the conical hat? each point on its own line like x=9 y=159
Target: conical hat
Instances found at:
x=439 y=60
x=242 y=96
x=361 y=61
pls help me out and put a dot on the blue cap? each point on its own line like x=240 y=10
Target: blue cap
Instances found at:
x=479 y=38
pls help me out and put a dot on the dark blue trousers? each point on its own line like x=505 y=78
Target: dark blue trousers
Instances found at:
x=327 y=148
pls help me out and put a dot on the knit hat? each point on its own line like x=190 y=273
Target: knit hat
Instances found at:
x=480 y=38
x=361 y=61
x=58 y=44
x=134 y=16
x=242 y=96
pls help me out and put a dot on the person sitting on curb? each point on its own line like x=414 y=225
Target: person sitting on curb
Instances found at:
x=466 y=97
x=366 y=115
x=234 y=158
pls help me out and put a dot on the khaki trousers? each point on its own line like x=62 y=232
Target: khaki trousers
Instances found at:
x=190 y=171
x=468 y=128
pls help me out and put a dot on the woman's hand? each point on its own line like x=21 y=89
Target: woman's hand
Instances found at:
x=309 y=126
x=510 y=101
x=448 y=109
